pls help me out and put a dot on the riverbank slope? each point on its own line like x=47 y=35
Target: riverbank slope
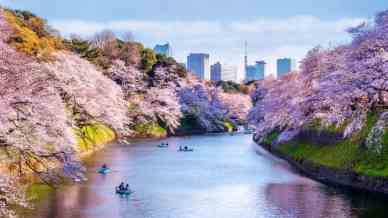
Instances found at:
x=330 y=119
x=358 y=162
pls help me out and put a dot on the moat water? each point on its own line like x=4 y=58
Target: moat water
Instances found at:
x=225 y=177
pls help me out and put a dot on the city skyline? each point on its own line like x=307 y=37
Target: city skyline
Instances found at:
x=249 y=72
x=257 y=71
x=272 y=31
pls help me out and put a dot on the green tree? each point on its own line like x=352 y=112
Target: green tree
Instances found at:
x=148 y=59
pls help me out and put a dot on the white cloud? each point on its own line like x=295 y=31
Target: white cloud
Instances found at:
x=268 y=39
x=4 y=2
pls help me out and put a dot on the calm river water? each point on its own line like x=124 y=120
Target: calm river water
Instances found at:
x=225 y=177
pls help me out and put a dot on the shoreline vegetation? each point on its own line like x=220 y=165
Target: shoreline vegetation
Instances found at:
x=64 y=98
x=322 y=154
x=332 y=122
x=340 y=178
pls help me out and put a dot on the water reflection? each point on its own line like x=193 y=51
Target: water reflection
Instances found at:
x=225 y=177
x=306 y=201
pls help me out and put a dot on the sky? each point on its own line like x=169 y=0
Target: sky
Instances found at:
x=272 y=28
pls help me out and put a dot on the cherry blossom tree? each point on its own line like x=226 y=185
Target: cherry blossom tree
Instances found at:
x=10 y=195
x=336 y=85
x=39 y=103
x=238 y=104
x=90 y=94
x=157 y=105
x=34 y=127
x=199 y=102
x=128 y=77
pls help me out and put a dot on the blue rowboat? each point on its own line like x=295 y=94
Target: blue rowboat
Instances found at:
x=104 y=170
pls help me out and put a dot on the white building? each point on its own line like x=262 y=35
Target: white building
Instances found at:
x=224 y=72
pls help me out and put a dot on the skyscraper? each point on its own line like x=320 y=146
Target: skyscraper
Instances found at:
x=255 y=72
x=215 y=72
x=198 y=64
x=246 y=57
x=285 y=65
x=163 y=49
x=224 y=72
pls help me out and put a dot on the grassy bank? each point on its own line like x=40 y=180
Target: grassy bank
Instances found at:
x=346 y=154
x=93 y=136
x=90 y=138
x=38 y=192
x=150 y=129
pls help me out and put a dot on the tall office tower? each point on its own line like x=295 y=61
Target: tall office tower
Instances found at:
x=255 y=72
x=163 y=49
x=198 y=63
x=246 y=58
x=285 y=66
x=215 y=72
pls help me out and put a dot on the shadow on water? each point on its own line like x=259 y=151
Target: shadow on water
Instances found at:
x=364 y=204
x=226 y=176
x=349 y=202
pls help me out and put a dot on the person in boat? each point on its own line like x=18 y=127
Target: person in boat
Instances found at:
x=180 y=147
x=121 y=186
x=186 y=148
x=104 y=166
x=127 y=187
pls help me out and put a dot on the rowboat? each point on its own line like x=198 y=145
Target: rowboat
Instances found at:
x=104 y=170
x=123 y=192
